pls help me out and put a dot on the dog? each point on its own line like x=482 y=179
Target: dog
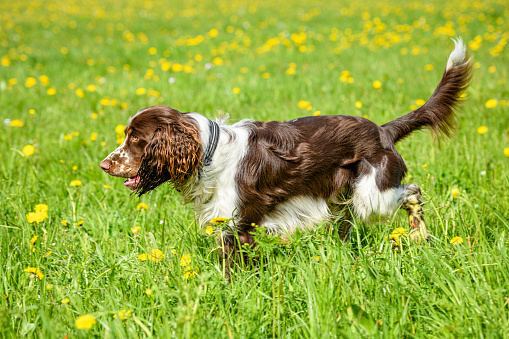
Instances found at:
x=289 y=175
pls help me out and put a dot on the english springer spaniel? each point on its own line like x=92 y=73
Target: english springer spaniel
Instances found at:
x=289 y=175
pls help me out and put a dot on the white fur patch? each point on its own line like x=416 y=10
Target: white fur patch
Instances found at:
x=458 y=55
x=301 y=212
x=369 y=201
x=214 y=192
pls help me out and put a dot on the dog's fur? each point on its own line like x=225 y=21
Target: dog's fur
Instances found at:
x=288 y=175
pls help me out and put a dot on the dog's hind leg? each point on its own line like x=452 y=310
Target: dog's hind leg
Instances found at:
x=411 y=201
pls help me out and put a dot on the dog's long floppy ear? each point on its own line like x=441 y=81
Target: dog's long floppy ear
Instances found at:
x=173 y=154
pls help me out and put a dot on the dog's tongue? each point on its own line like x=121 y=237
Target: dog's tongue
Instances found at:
x=132 y=181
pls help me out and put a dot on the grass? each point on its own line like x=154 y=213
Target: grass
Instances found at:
x=98 y=57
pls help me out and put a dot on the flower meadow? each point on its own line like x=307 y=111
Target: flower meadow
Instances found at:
x=81 y=257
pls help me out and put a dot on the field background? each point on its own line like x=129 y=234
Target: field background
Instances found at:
x=71 y=71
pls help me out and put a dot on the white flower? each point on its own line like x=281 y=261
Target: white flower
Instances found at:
x=208 y=65
x=171 y=80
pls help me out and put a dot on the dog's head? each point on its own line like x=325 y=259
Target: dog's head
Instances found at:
x=161 y=144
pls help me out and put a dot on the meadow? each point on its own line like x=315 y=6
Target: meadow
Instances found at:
x=81 y=257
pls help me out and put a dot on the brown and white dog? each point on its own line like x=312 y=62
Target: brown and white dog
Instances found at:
x=285 y=176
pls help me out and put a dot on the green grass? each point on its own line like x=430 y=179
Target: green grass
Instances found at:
x=357 y=289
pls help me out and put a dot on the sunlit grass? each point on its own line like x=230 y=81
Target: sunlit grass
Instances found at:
x=72 y=72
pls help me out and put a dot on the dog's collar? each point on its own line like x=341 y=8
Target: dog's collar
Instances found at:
x=212 y=144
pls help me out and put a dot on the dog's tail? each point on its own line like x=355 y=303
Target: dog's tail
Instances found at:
x=437 y=113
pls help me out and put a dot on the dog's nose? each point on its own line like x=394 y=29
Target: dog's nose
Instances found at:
x=105 y=165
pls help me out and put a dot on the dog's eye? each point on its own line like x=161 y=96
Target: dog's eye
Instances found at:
x=134 y=138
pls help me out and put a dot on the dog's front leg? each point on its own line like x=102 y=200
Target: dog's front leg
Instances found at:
x=232 y=251
x=411 y=201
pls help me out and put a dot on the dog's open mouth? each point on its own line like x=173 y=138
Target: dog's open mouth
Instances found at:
x=132 y=182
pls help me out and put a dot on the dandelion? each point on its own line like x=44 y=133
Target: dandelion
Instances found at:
x=492 y=69
x=76 y=183
x=142 y=206
x=358 y=104
x=290 y=71
x=136 y=229
x=377 y=84
x=91 y=88
x=152 y=51
x=16 y=123
x=425 y=165
x=79 y=92
x=85 y=322
x=506 y=152
x=51 y=91
x=303 y=104
x=143 y=257
x=30 y=81
x=32 y=242
x=106 y=186
x=420 y=102
x=236 y=90
x=65 y=301
x=28 y=150
x=40 y=214
x=122 y=315
x=185 y=260
x=49 y=287
x=47 y=254
x=456 y=240
x=217 y=220
x=429 y=67
x=209 y=230
x=141 y=91
x=190 y=272
x=74 y=168
x=482 y=129
x=149 y=292
x=491 y=103
x=157 y=255
x=34 y=272
x=94 y=116
x=455 y=192
x=316 y=113
x=79 y=223
x=317 y=258
x=31 y=111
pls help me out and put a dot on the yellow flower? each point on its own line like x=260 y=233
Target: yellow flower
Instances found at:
x=217 y=220
x=74 y=168
x=420 y=102
x=157 y=255
x=31 y=81
x=425 y=165
x=152 y=50
x=93 y=136
x=455 y=192
x=49 y=287
x=236 y=90
x=34 y=272
x=209 y=230
x=17 y=123
x=149 y=292
x=85 y=322
x=106 y=186
x=28 y=150
x=41 y=208
x=190 y=272
x=119 y=129
x=303 y=104
x=48 y=254
x=80 y=93
x=64 y=222
x=429 y=67
x=377 y=84
x=456 y=240
x=65 y=301
x=266 y=75
x=123 y=315
x=491 y=103
x=185 y=260
x=34 y=239
x=51 y=91
x=317 y=113
x=76 y=183
x=143 y=257
x=506 y=151
x=290 y=71
x=142 y=206
x=400 y=231
x=358 y=104
x=317 y=258
x=79 y=223
x=141 y=91
x=482 y=129
x=44 y=80
x=135 y=229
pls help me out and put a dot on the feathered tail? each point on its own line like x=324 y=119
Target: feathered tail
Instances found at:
x=437 y=113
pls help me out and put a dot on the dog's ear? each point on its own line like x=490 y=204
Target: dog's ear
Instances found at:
x=173 y=154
